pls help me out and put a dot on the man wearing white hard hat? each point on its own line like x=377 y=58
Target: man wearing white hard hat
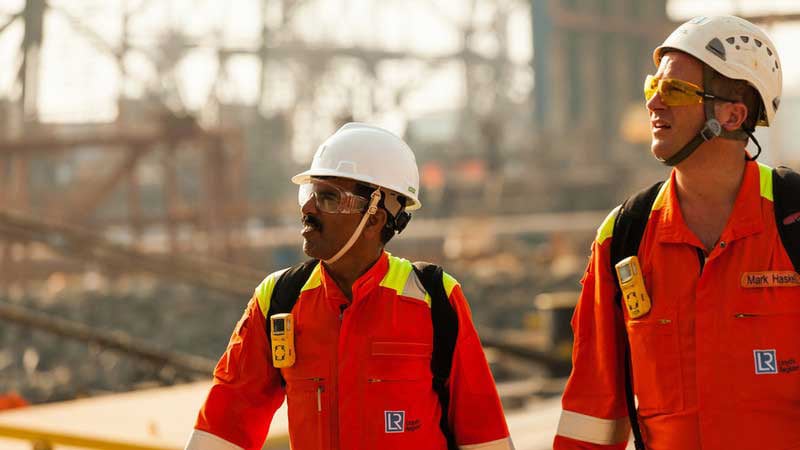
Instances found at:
x=687 y=331
x=369 y=350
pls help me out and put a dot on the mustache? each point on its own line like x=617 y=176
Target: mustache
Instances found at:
x=309 y=220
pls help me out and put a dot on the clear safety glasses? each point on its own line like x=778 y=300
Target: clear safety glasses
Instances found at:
x=675 y=92
x=331 y=198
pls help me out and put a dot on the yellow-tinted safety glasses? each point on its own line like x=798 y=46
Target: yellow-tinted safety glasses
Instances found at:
x=675 y=92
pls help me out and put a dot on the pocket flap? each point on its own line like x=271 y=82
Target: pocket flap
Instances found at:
x=409 y=349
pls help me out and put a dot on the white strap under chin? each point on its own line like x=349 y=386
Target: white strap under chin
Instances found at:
x=372 y=209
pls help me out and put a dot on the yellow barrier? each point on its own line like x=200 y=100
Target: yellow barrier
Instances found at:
x=46 y=439
x=49 y=437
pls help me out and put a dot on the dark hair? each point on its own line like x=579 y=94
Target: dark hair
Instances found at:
x=390 y=227
x=739 y=90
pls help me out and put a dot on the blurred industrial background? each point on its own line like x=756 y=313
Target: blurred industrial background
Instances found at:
x=146 y=149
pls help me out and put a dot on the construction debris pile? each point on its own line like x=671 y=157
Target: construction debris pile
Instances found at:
x=44 y=367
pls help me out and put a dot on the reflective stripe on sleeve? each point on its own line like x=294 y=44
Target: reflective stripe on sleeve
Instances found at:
x=500 y=444
x=593 y=429
x=202 y=440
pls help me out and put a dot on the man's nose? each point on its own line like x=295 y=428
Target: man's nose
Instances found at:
x=310 y=206
x=655 y=103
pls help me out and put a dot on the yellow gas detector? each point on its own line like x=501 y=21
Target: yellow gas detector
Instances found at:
x=282 y=335
x=631 y=283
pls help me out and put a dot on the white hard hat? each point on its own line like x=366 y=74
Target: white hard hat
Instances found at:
x=735 y=48
x=369 y=154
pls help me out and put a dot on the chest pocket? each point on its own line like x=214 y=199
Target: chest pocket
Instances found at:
x=403 y=410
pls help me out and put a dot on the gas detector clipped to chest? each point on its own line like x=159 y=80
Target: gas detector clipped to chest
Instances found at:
x=631 y=283
x=282 y=337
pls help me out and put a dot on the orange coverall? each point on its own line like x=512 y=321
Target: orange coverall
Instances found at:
x=362 y=377
x=716 y=362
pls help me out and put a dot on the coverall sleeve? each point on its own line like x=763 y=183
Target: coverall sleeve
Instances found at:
x=246 y=391
x=476 y=415
x=594 y=414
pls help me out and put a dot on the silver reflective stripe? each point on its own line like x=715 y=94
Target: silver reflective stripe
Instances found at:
x=414 y=289
x=201 y=440
x=593 y=429
x=500 y=444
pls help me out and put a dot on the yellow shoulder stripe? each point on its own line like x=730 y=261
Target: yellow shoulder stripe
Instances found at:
x=765 y=174
x=449 y=283
x=607 y=228
x=397 y=275
x=314 y=280
x=399 y=278
x=661 y=198
x=264 y=290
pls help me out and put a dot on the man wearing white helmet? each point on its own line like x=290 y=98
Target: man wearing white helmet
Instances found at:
x=687 y=331
x=370 y=351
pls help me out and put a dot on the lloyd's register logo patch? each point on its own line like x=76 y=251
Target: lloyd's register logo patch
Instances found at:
x=766 y=362
x=394 y=421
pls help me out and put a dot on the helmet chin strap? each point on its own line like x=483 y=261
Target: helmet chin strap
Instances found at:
x=371 y=209
x=711 y=129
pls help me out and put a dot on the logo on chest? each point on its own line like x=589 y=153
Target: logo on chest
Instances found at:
x=395 y=421
x=765 y=361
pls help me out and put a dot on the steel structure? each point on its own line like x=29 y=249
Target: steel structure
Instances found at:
x=34 y=153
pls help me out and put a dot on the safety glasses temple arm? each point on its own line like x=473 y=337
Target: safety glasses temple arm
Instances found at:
x=708 y=96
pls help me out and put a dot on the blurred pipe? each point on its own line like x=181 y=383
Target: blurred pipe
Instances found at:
x=113 y=140
x=77 y=243
x=115 y=340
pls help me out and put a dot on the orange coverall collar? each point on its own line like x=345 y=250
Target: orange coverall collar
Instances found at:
x=746 y=217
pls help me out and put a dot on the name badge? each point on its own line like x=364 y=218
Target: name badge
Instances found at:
x=770 y=279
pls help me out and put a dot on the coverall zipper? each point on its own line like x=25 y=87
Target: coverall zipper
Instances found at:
x=701 y=256
x=334 y=432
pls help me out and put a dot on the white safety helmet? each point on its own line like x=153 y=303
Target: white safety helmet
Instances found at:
x=369 y=154
x=735 y=48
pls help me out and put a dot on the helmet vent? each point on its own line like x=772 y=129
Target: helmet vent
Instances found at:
x=775 y=103
x=758 y=43
x=744 y=39
x=716 y=47
x=769 y=52
x=731 y=40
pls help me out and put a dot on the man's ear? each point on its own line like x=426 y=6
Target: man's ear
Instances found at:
x=375 y=223
x=731 y=115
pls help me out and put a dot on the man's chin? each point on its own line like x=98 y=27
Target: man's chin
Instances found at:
x=313 y=251
x=662 y=152
x=309 y=249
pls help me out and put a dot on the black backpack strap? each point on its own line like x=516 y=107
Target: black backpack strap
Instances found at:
x=287 y=288
x=786 y=196
x=285 y=292
x=630 y=224
x=628 y=231
x=445 y=333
